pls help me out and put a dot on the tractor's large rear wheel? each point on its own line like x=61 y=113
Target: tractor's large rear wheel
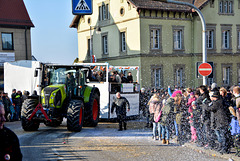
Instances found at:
x=27 y=109
x=75 y=115
x=92 y=111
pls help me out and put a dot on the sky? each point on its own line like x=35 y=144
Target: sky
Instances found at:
x=52 y=39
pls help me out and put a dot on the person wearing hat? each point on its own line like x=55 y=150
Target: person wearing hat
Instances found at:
x=214 y=87
x=220 y=123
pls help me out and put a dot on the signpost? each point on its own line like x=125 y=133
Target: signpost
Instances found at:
x=82 y=7
x=205 y=69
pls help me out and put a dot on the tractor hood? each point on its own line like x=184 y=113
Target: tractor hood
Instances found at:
x=53 y=95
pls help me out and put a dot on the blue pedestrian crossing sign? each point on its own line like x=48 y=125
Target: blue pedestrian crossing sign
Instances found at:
x=82 y=7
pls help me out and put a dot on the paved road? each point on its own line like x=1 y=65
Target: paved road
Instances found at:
x=101 y=143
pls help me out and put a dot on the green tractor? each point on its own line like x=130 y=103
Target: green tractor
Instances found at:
x=64 y=94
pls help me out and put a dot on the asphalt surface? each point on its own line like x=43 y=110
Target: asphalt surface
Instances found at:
x=103 y=142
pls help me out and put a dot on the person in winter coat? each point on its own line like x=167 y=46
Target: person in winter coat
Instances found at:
x=221 y=122
x=190 y=100
x=180 y=110
x=7 y=103
x=194 y=120
x=173 y=95
x=166 y=119
x=153 y=103
x=236 y=93
x=202 y=101
x=17 y=101
x=9 y=143
x=121 y=104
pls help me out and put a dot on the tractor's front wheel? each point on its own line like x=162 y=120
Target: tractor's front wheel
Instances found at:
x=75 y=115
x=27 y=109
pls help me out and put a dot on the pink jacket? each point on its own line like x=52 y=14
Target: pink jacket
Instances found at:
x=190 y=100
x=152 y=104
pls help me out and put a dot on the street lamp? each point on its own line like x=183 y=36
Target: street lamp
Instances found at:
x=204 y=49
x=98 y=31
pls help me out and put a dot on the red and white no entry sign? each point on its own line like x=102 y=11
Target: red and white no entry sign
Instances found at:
x=205 y=69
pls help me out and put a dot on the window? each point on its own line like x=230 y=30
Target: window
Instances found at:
x=230 y=7
x=226 y=6
x=103 y=12
x=177 y=39
x=226 y=39
x=122 y=11
x=179 y=75
x=155 y=38
x=100 y=13
x=221 y=7
x=89 y=47
x=209 y=38
x=7 y=41
x=226 y=75
x=123 y=41
x=238 y=71
x=157 y=77
x=238 y=38
x=105 y=44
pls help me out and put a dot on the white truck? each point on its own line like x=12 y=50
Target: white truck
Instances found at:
x=19 y=75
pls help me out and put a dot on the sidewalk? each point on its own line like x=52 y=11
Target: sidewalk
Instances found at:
x=141 y=123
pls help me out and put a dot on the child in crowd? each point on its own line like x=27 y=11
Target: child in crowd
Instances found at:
x=194 y=121
x=190 y=100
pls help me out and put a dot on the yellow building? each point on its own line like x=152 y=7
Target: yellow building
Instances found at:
x=163 y=39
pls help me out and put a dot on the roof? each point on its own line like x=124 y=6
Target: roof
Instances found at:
x=14 y=13
x=156 y=5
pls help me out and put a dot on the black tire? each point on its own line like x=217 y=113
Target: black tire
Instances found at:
x=75 y=114
x=92 y=111
x=27 y=109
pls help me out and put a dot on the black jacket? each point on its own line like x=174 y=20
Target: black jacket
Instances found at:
x=220 y=116
x=17 y=99
x=121 y=104
x=9 y=145
x=203 y=102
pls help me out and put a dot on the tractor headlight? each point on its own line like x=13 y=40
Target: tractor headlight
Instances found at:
x=54 y=94
x=52 y=98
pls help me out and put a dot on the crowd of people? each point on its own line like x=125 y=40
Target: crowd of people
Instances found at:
x=206 y=116
x=13 y=104
x=114 y=77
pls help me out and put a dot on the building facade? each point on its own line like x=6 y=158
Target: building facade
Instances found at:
x=15 y=36
x=164 y=40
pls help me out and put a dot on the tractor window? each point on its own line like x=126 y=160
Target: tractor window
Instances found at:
x=57 y=76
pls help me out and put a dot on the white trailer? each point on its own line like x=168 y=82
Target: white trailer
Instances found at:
x=19 y=75
x=107 y=93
